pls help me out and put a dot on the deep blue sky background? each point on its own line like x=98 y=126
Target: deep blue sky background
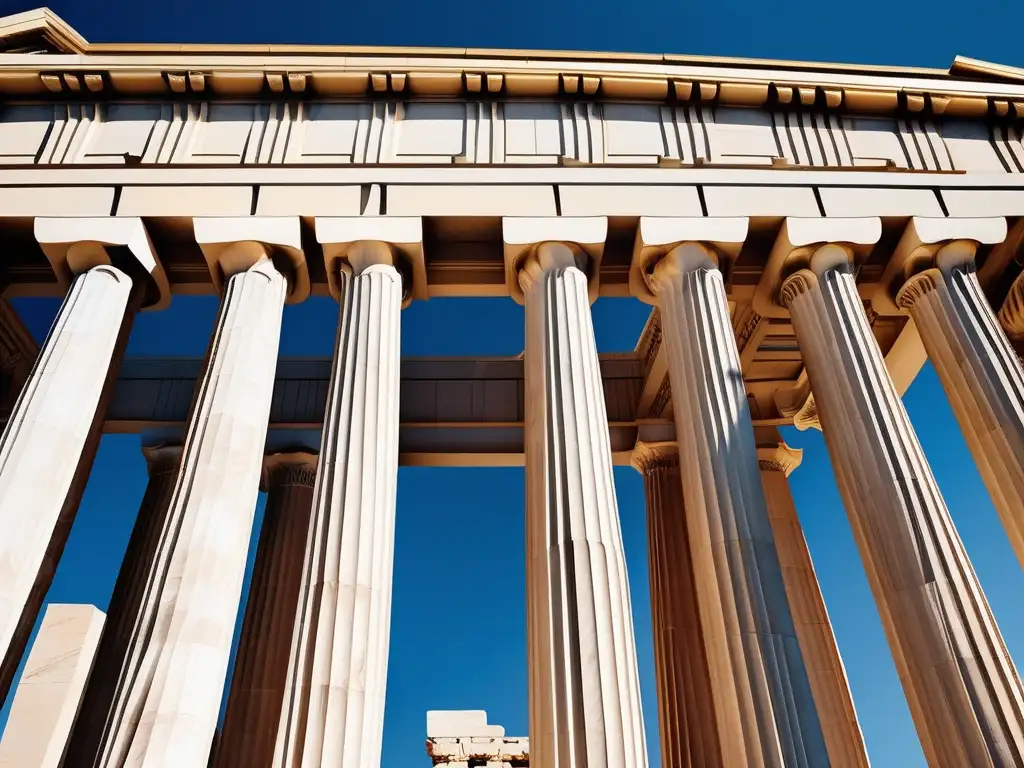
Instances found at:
x=458 y=639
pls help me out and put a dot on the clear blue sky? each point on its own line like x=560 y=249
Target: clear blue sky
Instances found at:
x=458 y=639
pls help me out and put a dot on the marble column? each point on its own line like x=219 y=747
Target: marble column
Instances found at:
x=584 y=689
x=261 y=666
x=764 y=709
x=333 y=711
x=829 y=684
x=52 y=434
x=176 y=675
x=979 y=371
x=132 y=608
x=964 y=693
x=689 y=735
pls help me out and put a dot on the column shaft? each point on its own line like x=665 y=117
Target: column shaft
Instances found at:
x=167 y=713
x=584 y=689
x=132 y=608
x=261 y=666
x=689 y=735
x=963 y=690
x=825 y=668
x=337 y=673
x=762 y=699
x=51 y=437
x=982 y=377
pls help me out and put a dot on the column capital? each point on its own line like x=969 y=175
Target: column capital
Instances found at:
x=944 y=244
x=533 y=245
x=76 y=245
x=649 y=456
x=360 y=242
x=919 y=285
x=779 y=458
x=681 y=243
x=293 y=468
x=817 y=244
x=232 y=245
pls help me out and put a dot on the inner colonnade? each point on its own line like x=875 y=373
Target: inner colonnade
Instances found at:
x=884 y=227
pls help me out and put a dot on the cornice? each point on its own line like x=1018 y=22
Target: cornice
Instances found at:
x=247 y=71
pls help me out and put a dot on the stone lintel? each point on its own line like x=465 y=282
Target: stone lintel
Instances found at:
x=76 y=244
x=797 y=241
x=657 y=235
x=403 y=233
x=919 y=249
x=521 y=234
x=216 y=236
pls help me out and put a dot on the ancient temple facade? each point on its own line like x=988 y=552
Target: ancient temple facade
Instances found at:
x=807 y=236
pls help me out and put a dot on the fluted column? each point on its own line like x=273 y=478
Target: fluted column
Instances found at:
x=825 y=668
x=52 y=434
x=333 y=712
x=761 y=694
x=964 y=693
x=689 y=736
x=979 y=371
x=132 y=608
x=261 y=666
x=584 y=690
x=168 y=713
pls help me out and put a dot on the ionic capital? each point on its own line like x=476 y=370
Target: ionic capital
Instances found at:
x=295 y=468
x=358 y=243
x=232 y=245
x=648 y=457
x=943 y=244
x=667 y=247
x=1011 y=314
x=534 y=245
x=795 y=285
x=919 y=285
x=76 y=245
x=779 y=458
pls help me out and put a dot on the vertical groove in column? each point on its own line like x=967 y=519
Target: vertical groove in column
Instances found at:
x=127 y=608
x=764 y=708
x=964 y=693
x=258 y=684
x=584 y=688
x=983 y=379
x=337 y=673
x=165 y=710
x=829 y=684
x=48 y=441
x=689 y=738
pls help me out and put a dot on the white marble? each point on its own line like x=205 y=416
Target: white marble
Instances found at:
x=333 y=712
x=584 y=690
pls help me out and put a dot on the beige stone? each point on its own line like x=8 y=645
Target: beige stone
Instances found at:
x=51 y=687
x=763 y=708
x=964 y=693
x=825 y=669
x=689 y=732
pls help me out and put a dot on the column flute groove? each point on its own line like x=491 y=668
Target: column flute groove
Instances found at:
x=165 y=711
x=764 y=709
x=689 y=737
x=257 y=691
x=964 y=693
x=980 y=373
x=337 y=673
x=584 y=686
x=48 y=443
